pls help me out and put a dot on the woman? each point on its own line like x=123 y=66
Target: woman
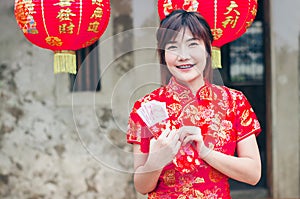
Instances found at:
x=190 y=152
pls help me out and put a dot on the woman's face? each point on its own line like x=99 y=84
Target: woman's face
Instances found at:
x=185 y=57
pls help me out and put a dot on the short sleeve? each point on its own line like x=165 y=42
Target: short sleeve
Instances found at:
x=134 y=130
x=137 y=131
x=246 y=122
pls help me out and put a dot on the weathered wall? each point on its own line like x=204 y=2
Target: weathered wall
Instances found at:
x=285 y=31
x=45 y=148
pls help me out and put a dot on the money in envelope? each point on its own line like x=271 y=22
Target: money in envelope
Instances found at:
x=153 y=113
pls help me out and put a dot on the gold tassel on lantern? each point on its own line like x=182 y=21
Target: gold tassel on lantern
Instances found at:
x=65 y=61
x=216 y=58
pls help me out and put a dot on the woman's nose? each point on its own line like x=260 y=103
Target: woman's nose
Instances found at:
x=183 y=54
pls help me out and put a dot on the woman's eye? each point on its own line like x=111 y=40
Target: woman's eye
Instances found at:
x=193 y=44
x=171 y=47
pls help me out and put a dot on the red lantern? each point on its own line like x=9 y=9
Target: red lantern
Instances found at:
x=62 y=26
x=228 y=19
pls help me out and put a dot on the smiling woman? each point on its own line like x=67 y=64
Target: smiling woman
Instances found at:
x=201 y=34
x=186 y=59
x=189 y=153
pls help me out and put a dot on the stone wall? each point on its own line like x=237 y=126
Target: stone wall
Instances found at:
x=285 y=30
x=49 y=150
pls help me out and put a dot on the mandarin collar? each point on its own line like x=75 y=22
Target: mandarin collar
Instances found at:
x=204 y=92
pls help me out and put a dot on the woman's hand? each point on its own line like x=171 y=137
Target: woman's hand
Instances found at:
x=190 y=134
x=148 y=166
x=245 y=168
x=163 y=149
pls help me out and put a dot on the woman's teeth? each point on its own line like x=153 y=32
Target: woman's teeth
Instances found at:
x=185 y=66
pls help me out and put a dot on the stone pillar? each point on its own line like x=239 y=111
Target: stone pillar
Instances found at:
x=285 y=98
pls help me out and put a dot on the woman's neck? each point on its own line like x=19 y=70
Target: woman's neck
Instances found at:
x=194 y=85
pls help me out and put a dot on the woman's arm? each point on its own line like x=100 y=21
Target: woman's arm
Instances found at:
x=145 y=177
x=245 y=168
x=148 y=166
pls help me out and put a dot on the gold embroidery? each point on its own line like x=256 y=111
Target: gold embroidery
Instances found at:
x=174 y=109
x=176 y=98
x=199 y=180
x=245 y=119
x=216 y=120
x=192 y=113
x=206 y=94
x=153 y=195
x=199 y=194
x=134 y=132
x=184 y=95
x=169 y=177
x=215 y=176
x=181 y=197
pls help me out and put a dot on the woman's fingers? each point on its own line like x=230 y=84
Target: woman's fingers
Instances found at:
x=173 y=135
x=184 y=135
x=169 y=135
x=177 y=146
x=165 y=133
x=168 y=138
x=186 y=131
x=164 y=149
x=190 y=138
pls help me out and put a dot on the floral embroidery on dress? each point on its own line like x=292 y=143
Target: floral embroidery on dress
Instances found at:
x=169 y=177
x=246 y=120
x=215 y=176
x=174 y=109
x=134 y=131
x=191 y=112
x=224 y=116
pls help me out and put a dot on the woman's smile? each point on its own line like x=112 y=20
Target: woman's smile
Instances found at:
x=185 y=57
x=185 y=66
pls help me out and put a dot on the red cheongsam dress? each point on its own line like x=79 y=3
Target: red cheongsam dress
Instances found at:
x=224 y=116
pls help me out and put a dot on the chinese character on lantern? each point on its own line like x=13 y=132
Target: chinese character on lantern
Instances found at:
x=63 y=26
